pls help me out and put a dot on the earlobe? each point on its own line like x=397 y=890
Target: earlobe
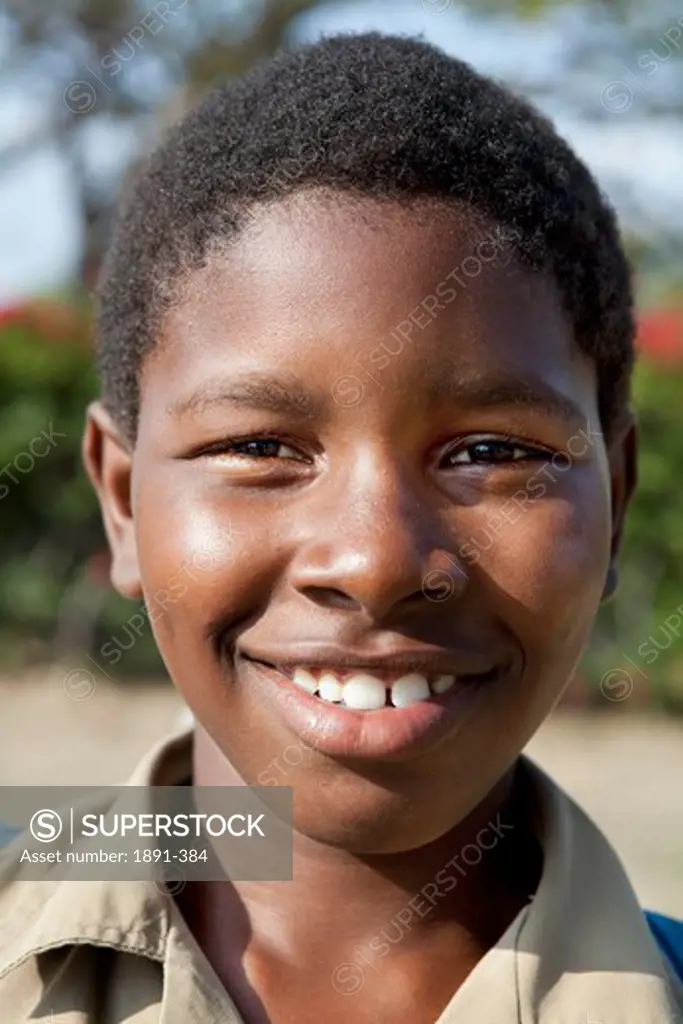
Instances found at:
x=108 y=460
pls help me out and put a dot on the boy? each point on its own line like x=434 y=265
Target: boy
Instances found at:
x=365 y=342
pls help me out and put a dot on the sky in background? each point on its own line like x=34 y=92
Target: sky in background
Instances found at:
x=638 y=158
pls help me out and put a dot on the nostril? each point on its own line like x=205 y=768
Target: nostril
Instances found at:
x=329 y=597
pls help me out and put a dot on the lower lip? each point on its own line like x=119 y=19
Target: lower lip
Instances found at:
x=384 y=734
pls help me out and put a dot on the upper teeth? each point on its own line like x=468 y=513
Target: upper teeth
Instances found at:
x=366 y=692
x=328 y=687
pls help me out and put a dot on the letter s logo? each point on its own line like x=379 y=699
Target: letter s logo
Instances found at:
x=45 y=826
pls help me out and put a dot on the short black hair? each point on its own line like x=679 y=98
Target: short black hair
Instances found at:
x=376 y=115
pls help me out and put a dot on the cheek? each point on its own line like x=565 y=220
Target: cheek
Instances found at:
x=545 y=565
x=207 y=563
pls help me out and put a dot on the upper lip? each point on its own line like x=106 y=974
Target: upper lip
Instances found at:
x=424 y=660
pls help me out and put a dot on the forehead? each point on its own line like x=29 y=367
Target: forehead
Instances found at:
x=321 y=285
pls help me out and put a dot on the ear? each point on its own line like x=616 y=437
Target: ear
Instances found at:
x=622 y=454
x=108 y=459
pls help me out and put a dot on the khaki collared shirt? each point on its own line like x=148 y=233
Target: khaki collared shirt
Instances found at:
x=120 y=953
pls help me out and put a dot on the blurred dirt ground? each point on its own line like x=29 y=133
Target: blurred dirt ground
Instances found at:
x=625 y=770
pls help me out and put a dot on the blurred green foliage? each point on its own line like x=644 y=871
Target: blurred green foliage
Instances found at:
x=641 y=618
x=47 y=510
x=55 y=599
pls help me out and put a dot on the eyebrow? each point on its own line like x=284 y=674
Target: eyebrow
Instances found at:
x=529 y=392
x=286 y=396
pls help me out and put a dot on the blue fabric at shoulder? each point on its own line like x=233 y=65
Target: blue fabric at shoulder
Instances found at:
x=7 y=833
x=669 y=935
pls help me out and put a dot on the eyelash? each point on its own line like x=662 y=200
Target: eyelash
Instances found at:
x=530 y=452
x=230 y=446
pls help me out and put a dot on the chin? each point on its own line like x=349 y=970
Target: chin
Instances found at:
x=364 y=818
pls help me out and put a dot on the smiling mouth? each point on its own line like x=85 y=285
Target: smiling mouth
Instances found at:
x=361 y=689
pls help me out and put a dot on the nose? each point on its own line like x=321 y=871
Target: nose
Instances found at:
x=376 y=544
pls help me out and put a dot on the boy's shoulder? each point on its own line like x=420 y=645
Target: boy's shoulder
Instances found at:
x=52 y=890
x=42 y=924
x=583 y=873
x=121 y=928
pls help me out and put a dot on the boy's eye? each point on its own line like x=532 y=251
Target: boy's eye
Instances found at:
x=257 y=448
x=491 y=452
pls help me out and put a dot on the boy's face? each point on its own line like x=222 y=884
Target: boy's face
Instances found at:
x=444 y=505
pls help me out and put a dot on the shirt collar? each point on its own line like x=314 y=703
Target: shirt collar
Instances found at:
x=580 y=952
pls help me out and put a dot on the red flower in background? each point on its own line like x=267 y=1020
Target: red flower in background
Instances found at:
x=54 y=320
x=11 y=314
x=660 y=335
